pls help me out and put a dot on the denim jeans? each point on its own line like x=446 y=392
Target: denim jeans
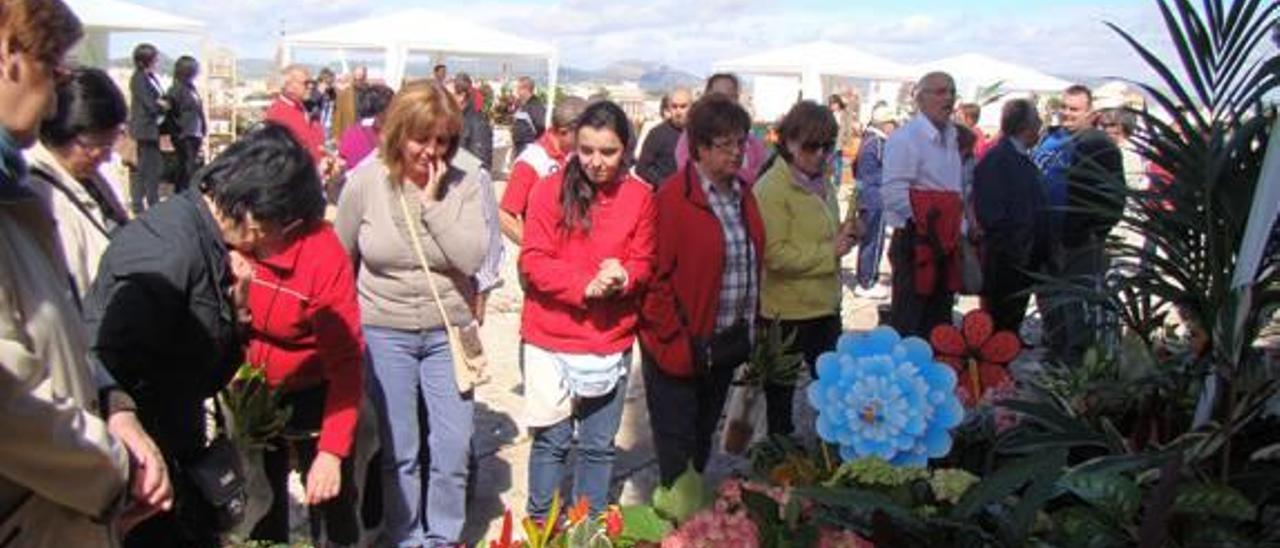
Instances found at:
x=871 y=246
x=597 y=421
x=417 y=399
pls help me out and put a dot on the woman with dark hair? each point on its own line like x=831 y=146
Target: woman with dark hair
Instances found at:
x=188 y=126
x=167 y=313
x=306 y=337
x=696 y=324
x=414 y=224
x=64 y=169
x=588 y=253
x=147 y=108
x=804 y=241
x=361 y=139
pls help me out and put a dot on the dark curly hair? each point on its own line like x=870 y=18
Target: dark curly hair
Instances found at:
x=266 y=173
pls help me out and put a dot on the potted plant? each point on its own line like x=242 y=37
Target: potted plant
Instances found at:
x=770 y=364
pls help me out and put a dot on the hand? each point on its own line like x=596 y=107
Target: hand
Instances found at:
x=150 y=486
x=596 y=289
x=242 y=271
x=324 y=480
x=611 y=270
x=435 y=174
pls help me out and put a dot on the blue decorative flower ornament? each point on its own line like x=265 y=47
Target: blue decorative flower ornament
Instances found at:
x=879 y=395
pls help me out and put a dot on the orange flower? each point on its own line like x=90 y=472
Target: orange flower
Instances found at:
x=977 y=353
x=580 y=511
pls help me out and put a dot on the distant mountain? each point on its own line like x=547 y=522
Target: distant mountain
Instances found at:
x=651 y=77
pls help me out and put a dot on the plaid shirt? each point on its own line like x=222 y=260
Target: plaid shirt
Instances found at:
x=739 y=284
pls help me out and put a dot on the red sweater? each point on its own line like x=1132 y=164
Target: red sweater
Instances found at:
x=690 y=270
x=557 y=266
x=306 y=328
x=293 y=117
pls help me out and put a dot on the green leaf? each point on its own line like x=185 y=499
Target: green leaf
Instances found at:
x=1111 y=493
x=683 y=499
x=1008 y=480
x=1213 y=500
x=642 y=524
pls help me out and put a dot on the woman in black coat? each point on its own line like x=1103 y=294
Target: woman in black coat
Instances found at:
x=187 y=122
x=147 y=109
x=166 y=314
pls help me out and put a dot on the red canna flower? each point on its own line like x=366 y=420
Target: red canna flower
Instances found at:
x=979 y=355
x=579 y=511
x=613 y=522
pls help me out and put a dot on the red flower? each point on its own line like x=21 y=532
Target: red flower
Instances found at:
x=613 y=522
x=977 y=353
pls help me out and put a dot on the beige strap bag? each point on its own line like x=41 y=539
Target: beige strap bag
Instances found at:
x=469 y=361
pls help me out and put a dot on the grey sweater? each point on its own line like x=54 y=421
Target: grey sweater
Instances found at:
x=390 y=281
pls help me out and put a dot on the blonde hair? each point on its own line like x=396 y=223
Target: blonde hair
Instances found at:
x=418 y=110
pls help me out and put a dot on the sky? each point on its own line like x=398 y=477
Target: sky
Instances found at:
x=1061 y=37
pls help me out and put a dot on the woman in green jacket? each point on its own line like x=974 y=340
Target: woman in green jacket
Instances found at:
x=804 y=241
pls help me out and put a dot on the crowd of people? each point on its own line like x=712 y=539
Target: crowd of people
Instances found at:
x=121 y=322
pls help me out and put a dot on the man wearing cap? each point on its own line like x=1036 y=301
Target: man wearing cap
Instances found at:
x=867 y=174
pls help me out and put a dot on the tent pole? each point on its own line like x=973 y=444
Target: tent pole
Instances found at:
x=553 y=80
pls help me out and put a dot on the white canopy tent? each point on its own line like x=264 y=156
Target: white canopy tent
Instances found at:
x=798 y=70
x=101 y=18
x=419 y=31
x=974 y=70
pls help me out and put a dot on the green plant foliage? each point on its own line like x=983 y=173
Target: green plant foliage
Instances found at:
x=1111 y=493
x=683 y=499
x=1214 y=500
x=253 y=407
x=642 y=524
x=770 y=363
x=875 y=472
x=950 y=484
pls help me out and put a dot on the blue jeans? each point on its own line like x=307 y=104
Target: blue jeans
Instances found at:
x=417 y=398
x=871 y=248
x=597 y=420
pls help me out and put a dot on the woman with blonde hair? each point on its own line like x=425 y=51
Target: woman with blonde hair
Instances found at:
x=420 y=203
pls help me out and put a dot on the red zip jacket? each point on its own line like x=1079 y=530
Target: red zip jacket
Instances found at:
x=557 y=266
x=690 y=268
x=306 y=328
x=293 y=116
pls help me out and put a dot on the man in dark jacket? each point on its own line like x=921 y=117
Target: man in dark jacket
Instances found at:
x=1085 y=173
x=531 y=115
x=658 y=155
x=1009 y=201
x=477 y=135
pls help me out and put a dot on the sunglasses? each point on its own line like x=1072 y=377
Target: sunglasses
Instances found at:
x=814 y=146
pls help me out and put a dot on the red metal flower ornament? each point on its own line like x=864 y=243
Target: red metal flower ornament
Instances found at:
x=979 y=355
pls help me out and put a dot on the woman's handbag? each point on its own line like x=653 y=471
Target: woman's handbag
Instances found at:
x=469 y=361
x=218 y=475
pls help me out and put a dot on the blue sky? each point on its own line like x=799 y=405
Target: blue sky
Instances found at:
x=1057 y=36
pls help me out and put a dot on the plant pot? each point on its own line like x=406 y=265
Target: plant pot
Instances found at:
x=737 y=436
x=739 y=427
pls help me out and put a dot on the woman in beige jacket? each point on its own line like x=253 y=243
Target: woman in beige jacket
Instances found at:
x=64 y=169
x=65 y=471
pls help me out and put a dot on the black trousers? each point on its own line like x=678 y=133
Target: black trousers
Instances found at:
x=910 y=313
x=189 y=161
x=144 y=181
x=190 y=524
x=683 y=414
x=1005 y=288
x=334 y=521
x=813 y=337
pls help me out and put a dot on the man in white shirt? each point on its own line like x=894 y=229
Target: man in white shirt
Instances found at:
x=922 y=201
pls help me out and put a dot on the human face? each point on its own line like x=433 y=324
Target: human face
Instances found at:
x=1115 y=131
x=810 y=157
x=295 y=85
x=1076 y=112
x=360 y=76
x=524 y=92
x=678 y=108
x=600 y=152
x=936 y=99
x=420 y=156
x=82 y=156
x=35 y=81
x=720 y=161
x=564 y=138
x=726 y=87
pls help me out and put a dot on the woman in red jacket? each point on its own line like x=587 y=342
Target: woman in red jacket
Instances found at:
x=588 y=252
x=306 y=335
x=696 y=323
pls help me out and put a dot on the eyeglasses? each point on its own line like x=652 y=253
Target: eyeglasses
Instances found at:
x=729 y=144
x=99 y=144
x=814 y=146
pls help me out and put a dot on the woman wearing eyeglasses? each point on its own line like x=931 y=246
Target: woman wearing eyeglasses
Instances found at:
x=804 y=241
x=64 y=169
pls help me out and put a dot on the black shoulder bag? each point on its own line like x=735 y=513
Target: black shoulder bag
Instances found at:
x=218 y=475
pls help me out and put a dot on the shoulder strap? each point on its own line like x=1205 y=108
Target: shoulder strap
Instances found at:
x=57 y=184
x=411 y=223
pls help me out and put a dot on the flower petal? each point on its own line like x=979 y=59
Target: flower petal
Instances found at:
x=994 y=377
x=1001 y=348
x=946 y=339
x=977 y=328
